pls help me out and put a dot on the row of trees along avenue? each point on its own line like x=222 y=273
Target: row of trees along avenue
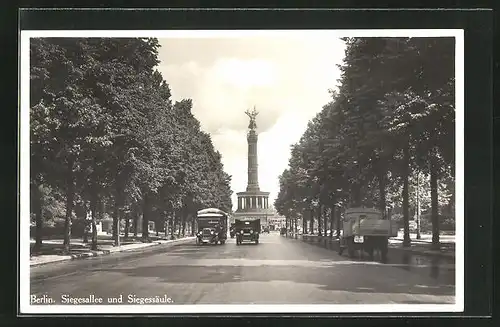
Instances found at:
x=386 y=139
x=107 y=139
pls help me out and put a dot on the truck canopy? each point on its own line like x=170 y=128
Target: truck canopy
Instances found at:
x=211 y=212
x=367 y=221
x=364 y=213
x=212 y=218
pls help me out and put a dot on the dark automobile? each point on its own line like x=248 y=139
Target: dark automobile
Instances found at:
x=266 y=229
x=212 y=226
x=232 y=232
x=283 y=231
x=247 y=230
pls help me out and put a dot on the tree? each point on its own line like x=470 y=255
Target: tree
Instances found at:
x=393 y=115
x=105 y=131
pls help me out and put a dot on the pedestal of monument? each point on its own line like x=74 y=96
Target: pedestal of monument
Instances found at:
x=253 y=204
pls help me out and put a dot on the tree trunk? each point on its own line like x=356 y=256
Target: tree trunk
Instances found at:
x=116 y=223
x=145 y=218
x=320 y=218
x=304 y=223
x=451 y=204
x=339 y=222
x=193 y=225
x=135 y=217
x=165 y=224
x=178 y=223
x=405 y=195
x=434 y=205
x=70 y=196
x=332 y=219
x=325 y=221
x=83 y=217
x=296 y=227
x=38 y=208
x=311 y=221
x=172 y=225
x=382 y=190
x=93 y=208
x=127 y=225
x=182 y=226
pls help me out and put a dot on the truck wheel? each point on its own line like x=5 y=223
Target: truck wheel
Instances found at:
x=350 y=248
x=370 y=253
x=383 y=254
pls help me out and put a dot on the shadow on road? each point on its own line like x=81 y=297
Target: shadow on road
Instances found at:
x=306 y=275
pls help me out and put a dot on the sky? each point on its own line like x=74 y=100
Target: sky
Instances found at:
x=286 y=78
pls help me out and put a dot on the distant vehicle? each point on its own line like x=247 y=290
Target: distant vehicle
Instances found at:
x=365 y=229
x=232 y=232
x=212 y=226
x=283 y=231
x=247 y=230
x=266 y=229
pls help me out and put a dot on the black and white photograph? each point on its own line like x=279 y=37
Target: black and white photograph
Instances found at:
x=241 y=171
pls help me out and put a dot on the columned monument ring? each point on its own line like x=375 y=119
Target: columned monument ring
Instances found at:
x=253 y=203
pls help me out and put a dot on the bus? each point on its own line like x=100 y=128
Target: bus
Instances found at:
x=211 y=226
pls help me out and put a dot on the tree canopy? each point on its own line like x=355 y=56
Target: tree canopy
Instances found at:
x=106 y=135
x=391 y=120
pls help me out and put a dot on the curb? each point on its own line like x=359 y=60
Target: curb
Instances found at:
x=332 y=244
x=108 y=252
x=414 y=241
x=445 y=256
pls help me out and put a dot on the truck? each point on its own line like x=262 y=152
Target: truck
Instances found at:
x=366 y=230
x=247 y=230
x=211 y=226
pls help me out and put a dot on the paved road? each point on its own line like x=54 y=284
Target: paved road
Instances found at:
x=277 y=271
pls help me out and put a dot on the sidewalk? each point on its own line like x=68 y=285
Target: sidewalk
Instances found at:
x=426 y=238
x=52 y=250
x=421 y=247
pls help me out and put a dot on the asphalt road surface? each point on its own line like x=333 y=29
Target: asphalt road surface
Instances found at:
x=276 y=271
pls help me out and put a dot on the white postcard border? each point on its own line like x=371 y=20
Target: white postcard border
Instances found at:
x=24 y=154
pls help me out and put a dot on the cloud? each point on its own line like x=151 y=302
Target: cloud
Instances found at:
x=287 y=79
